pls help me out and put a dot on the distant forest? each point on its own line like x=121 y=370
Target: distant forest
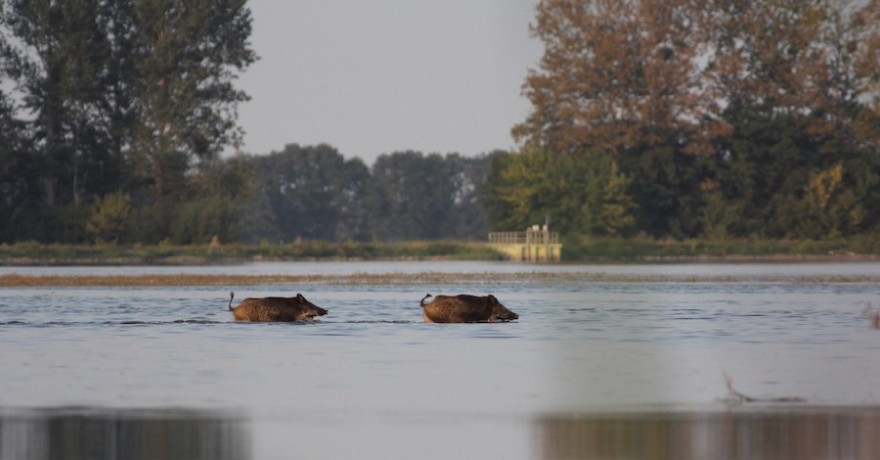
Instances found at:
x=662 y=118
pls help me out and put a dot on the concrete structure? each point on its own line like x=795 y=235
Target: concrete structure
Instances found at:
x=536 y=244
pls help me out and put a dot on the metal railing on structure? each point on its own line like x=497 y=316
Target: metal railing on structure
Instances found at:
x=530 y=236
x=507 y=237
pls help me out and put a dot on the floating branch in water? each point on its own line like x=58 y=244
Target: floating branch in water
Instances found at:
x=740 y=397
x=872 y=315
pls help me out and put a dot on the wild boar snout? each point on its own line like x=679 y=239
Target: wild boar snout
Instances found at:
x=499 y=312
x=505 y=315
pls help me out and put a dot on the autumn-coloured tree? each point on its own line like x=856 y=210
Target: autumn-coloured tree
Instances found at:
x=616 y=75
x=814 y=61
x=798 y=81
x=621 y=73
x=624 y=79
x=721 y=112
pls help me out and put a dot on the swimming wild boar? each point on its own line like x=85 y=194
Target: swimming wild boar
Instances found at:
x=270 y=309
x=465 y=308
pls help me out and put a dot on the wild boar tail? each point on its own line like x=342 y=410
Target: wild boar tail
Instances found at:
x=422 y=303
x=231 y=295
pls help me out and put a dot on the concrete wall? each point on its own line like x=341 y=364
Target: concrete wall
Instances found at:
x=531 y=253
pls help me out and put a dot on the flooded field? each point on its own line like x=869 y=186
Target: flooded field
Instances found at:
x=605 y=362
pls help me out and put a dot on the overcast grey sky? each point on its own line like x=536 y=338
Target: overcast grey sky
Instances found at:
x=378 y=76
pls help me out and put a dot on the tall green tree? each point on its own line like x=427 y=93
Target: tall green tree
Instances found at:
x=579 y=194
x=187 y=56
x=666 y=185
x=314 y=193
x=56 y=52
x=469 y=175
x=413 y=196
x=354 y=215
x=121 y=96
x=215 y=203
x=775 y=180
x=18 y=193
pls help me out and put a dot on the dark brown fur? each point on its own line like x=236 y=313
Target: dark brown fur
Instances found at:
x=272 y=309
x=465 y=308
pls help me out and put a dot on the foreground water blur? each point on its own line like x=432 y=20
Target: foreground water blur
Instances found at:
x=92 y=433
x=601 y=369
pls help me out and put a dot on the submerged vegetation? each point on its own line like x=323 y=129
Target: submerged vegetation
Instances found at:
x=406 y=279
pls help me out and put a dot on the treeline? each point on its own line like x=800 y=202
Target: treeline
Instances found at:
x=315 y=193
x=672 y=119
x=113 y=116
x=108 y=110
x=708 y=118
x=300 y=193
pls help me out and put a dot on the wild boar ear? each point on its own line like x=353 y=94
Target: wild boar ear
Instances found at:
x=300 y=297
x=492 y=299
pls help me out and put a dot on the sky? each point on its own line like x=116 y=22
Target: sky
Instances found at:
x=380 y=76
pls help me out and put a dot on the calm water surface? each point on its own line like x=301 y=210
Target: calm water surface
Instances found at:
x=591 y=370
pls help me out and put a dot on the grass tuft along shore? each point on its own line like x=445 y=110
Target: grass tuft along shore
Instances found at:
x=32 y=253
x=581 y=250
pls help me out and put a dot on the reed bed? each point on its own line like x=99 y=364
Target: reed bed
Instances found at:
x=34 y=253
x=592 y=250
x=385 y=279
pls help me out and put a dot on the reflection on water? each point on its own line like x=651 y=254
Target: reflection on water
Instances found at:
x=792 y=433
x=88 y=433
